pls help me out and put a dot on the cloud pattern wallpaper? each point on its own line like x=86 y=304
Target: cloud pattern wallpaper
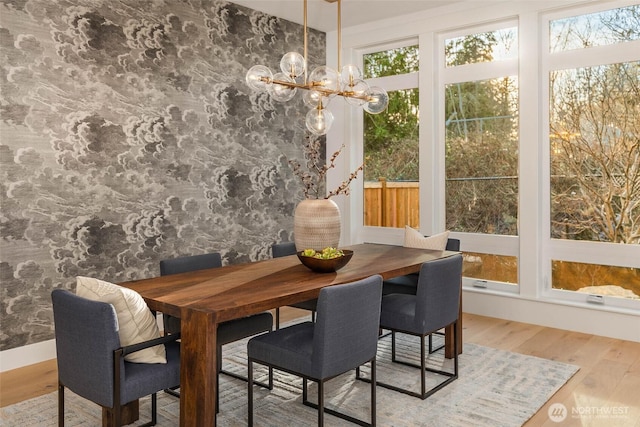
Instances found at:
x=128 y=135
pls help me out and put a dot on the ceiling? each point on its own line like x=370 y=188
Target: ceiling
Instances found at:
x=323 y=15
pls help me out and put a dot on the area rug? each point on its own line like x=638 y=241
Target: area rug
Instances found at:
x=495 y=388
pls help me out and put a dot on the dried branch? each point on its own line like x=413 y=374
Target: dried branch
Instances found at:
x=316 y=170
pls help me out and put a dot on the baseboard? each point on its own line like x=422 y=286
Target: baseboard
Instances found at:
x=553 y=314
x=27 y=355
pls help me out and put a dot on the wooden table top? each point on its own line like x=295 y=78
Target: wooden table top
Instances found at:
x=242 y=289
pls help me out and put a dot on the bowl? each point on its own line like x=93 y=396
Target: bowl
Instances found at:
x=320 y=265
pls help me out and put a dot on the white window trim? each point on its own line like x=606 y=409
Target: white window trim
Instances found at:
x=491 y=244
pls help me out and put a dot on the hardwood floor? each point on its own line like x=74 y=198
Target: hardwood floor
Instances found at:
x=608 y=380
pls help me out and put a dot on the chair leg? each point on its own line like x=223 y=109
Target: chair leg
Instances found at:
x=268 y=385
x=451 y=376
x=322 y=410
x=250 y=393
x=423 y=367
x=455 y=349
x=172 y=392
x=373 y=392
x=320 y=403
x=116 y=414
x=304 y=390
x=217 y=392
x=277 y=318
x=154 y=409
x=60 y=405
x=393 y=346
x=431 y=348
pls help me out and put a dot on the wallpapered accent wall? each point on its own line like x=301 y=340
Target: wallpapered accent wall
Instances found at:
x=128 y=135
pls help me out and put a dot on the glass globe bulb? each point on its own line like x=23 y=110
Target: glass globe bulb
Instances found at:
x=312 y=98
x=280 y=92
x=377 y=100
x=325 y=78
x=319 y=121
x=358 y=89
x=259 y=77
x=350 y=74
x=292 y=64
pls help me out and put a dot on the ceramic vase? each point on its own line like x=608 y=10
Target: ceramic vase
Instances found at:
x=316 y=224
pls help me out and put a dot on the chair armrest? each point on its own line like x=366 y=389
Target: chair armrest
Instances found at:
x=151 y=343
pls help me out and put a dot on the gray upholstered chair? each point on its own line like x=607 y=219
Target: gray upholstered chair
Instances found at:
x=183 y=265
x=91 y=360
x=344 y=337
x=435 y=306
x=408 y=284
x=286 y=249
x=228 y=332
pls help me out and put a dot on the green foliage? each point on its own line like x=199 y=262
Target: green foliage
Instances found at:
x=391 y=62
x=391 y=139
x=470 y=49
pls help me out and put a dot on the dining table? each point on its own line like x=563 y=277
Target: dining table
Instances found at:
x=203 y=299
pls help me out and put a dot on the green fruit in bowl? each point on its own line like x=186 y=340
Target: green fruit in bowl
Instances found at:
x=326 y=253
x=329 y=253
x=309 y=252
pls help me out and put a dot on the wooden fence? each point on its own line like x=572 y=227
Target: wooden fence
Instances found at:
x=391 y=204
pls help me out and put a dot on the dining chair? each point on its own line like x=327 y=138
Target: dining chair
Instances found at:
x=435 y=306
x=286 y=249
x=229 y=331
x=183 y=265
x=91 y=360
x=408 y=284
x=344 y=337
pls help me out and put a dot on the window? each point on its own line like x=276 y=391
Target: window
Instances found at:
x=609 y=27
x=594 y=155
x=480 y=95
x=489 y=46
x=391 y=195
x=482 y=156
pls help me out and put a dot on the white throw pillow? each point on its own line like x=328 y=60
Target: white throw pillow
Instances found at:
x=414 y=239
x=136 y=323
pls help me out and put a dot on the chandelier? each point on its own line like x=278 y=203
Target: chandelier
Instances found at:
x=320 y=86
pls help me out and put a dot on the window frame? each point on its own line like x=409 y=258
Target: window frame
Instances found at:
x=389 y=83
x=491 y=244
x=579 y=251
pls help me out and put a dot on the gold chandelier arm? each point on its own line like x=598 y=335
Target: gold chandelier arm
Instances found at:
x=306 y=62
x=339 y=35
x=315 y=86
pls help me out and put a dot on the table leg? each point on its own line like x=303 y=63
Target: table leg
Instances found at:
x=448 y=334
x=129 y=413
x=198 y=368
